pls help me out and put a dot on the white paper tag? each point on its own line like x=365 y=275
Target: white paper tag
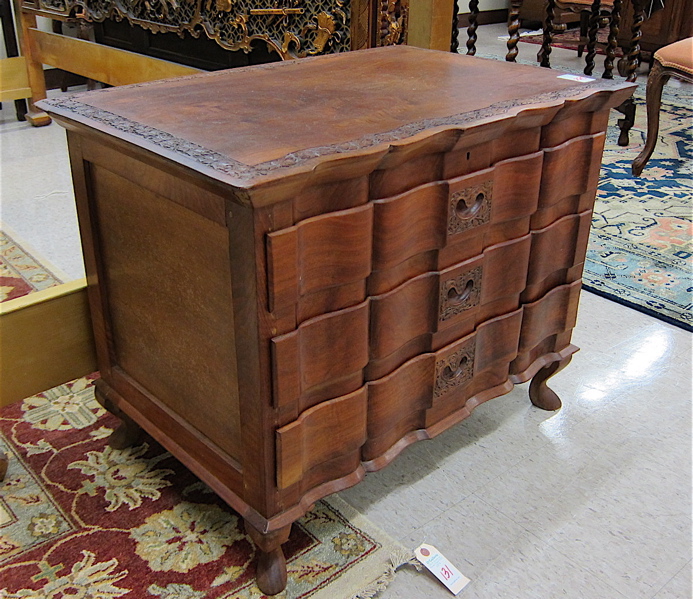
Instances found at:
x=441 y=568
x=578 y=78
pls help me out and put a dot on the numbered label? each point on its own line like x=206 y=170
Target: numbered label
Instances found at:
x=441 y=568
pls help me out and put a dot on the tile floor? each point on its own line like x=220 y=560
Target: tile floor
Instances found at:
x=590 y=502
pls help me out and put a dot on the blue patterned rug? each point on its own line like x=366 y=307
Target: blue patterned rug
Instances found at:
x=640 y=252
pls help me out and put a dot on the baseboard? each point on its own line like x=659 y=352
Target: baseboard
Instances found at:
x=485 y=17
x=46 y=340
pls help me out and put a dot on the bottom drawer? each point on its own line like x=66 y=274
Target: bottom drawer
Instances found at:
x=433 y=386
x=329 y=440
x=316 y=447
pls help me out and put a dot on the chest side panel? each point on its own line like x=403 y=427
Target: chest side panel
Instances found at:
x=167 y=285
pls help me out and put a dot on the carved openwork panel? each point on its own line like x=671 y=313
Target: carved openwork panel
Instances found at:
x=392 y=22
x=292 y=28
x=470 y=207
x=459 y=293
x=455 y=370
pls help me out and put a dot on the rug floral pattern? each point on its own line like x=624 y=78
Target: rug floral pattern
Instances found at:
x=80 y=519
x=640 y=250
x=20 y=272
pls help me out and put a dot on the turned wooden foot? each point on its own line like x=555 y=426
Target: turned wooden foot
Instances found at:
x=129 y=432
x=626 y=124
x=36 y=118
x=21 y=109
x=271 y=563
x=3 y=465
x=539 y=392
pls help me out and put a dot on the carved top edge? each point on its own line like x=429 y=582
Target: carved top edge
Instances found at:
x=77 y=108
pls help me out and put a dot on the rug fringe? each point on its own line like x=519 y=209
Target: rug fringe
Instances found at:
x=397 y=560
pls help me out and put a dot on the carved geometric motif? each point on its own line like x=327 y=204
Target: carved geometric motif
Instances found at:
x=455 y=370
x=459 y=294
x=470 y=207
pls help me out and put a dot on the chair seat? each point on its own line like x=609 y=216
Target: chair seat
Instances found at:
x=678 y=55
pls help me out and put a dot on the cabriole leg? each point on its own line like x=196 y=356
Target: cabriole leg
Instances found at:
x=539 y=392
x=271 y=564
x=655 y=83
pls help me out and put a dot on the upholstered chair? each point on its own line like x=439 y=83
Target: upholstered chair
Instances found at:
x=674 y=60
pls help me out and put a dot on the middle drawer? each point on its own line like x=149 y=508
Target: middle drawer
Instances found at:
x=433 y=309
x=336 y=352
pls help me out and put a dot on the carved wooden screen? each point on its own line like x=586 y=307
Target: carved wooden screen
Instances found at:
x=292 y=28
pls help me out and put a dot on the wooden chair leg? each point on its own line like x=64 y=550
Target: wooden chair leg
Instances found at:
x=513 y=30
x=37 y=83
x=544 y=55
x=584 y=25
x=655 y=82
x=614 y=29
x=592 y=30
x=21 y=109
x=473 y=26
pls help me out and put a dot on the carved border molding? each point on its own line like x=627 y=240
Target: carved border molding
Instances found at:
x=245 y=173
x=455 y=370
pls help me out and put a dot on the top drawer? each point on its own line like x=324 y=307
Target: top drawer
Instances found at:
x=322 y=263
x=439 y=224
x=326 y=252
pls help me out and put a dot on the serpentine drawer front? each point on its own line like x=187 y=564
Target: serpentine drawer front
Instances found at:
x=329 y=259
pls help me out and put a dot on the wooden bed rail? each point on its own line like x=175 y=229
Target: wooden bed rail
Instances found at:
x=46 y=340
x=89 y=59
x=101 y=63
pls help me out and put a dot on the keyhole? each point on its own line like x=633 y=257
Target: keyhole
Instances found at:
x=465 y=211
x=456 y=297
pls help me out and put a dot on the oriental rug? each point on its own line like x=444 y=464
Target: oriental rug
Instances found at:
x=570 y=40
x=79 y=519
x=640 y=252
x=21 y=270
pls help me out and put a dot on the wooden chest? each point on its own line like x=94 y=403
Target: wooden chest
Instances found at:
x=298 y=269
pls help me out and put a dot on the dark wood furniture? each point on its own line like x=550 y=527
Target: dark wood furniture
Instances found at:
x=672 y=23
x=674 y=60
x=298 y=269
